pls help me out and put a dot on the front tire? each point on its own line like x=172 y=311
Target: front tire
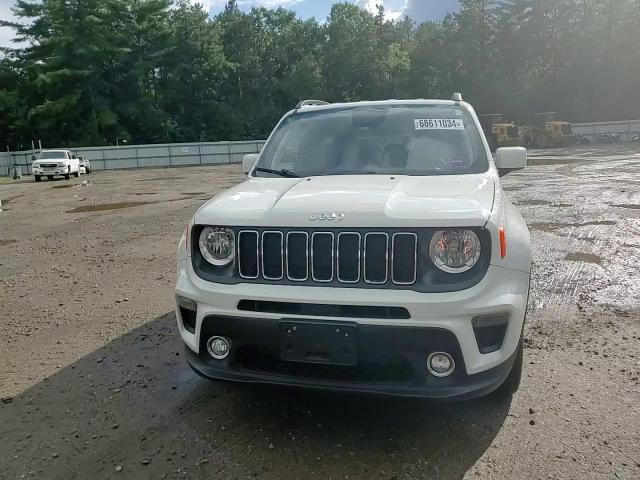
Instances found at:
x=512 y=382
x=50 y=177
x=37 y=178
x=77 y=174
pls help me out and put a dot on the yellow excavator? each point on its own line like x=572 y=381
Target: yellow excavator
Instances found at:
x=501 y=133
x=547 y=131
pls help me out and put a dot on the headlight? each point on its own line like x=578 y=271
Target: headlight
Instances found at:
x=217 y=245
x=454 y=251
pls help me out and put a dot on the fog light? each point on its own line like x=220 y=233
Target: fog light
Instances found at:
x=218 y=347
x=440 y=364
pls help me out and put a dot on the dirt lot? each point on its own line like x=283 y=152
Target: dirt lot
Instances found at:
x=93 y=382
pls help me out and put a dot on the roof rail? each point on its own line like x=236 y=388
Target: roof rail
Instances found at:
x=311 y=103
x=457 y=97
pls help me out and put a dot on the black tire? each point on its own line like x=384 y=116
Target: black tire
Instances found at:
x=541 y=141
x=50 y=177
x=37 y=177
x=88 y=170
x=512 y=383
x=77 y=174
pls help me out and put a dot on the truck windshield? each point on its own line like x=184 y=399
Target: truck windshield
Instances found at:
x=51 y=155
x=368 y=140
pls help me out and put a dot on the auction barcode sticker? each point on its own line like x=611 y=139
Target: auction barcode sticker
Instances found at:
x=439 y=124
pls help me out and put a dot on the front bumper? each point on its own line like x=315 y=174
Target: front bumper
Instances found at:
x=438 y=322
x=392 y=361
x=56 y=171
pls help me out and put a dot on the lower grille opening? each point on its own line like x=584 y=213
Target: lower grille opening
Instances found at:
x=263 y=359
x=188 y=319
x=324 y=310
x=490 y=331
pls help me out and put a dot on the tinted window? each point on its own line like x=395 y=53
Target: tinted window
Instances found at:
x=403 y=139
x=48 y=155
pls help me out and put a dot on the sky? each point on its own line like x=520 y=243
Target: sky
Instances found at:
x=420 y=10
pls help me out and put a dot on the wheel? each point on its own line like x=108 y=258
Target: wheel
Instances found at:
x=50 y=177
x=37 y=177
x=541 y=141
x=67 y=175
x=77 y=174
x=88 y=170
x=512 y=383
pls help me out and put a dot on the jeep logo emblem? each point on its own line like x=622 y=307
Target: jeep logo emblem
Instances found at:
x=327 y=217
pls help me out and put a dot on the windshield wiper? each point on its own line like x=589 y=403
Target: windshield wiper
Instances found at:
x=282 y=173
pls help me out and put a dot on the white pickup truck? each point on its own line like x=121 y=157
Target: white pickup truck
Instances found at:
x=55 y=163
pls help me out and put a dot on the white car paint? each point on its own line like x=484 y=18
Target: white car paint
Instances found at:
x=373 y=201
x=67 y=164
x=379 y=201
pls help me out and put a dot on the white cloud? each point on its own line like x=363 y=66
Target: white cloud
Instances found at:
x=6 y=33
x=393 y=10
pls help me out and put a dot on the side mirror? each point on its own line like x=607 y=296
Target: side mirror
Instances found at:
x=33 y=158
x=73 y=156
x=248 y=161
x=509 y=159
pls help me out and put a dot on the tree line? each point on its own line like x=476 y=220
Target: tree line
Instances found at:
x=150 y=71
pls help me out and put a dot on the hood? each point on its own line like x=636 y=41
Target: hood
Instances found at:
x=364 y=200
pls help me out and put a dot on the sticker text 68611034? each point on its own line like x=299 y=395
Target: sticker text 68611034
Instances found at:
x=439 y=124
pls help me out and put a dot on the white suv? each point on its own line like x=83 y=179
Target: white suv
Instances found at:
x=371 y=249
x=55 y=163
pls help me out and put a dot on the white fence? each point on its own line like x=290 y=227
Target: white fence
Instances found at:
x=627 y=129
x=140 y=156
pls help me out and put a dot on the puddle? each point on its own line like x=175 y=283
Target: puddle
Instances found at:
x=6 y=242
x=107 y=206
x=632 y=206
x=193 y=194
x=161 y=179
x=562 y=205
x=550 y=227
x=66 y=185
x=584 y=258
x=144 y=193
x=542 y=161
x=534 y=202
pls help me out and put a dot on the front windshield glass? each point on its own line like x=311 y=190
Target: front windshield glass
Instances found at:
x=51 y=155
x=398 y=139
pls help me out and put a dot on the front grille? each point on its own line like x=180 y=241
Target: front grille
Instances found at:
x=393 y=258
x=49 y=165
x=324 y=256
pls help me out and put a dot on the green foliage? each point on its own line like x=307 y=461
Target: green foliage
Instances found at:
x=163 y=71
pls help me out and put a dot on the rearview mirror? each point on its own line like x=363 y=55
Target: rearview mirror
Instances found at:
x=509 y=159
x=248 y=161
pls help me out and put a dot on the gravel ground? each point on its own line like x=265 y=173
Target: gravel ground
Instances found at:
x=93 y=382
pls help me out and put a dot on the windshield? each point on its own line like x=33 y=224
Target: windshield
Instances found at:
x=51 y=155
x=398 y=139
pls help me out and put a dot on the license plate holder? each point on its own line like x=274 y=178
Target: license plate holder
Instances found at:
x=328 y=343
